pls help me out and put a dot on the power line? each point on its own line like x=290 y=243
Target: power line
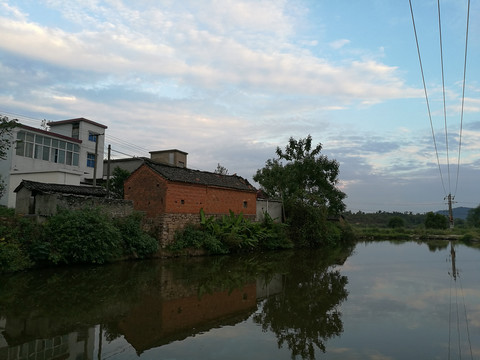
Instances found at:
x=426 y=97
x=443 y=91
x=463 y=96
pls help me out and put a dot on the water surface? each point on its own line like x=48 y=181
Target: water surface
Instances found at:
x=377 y=300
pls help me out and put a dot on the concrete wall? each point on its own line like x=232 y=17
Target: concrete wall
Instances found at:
x=272 y=207
x=46 y=205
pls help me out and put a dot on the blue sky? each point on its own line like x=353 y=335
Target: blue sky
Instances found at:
x=230 y=80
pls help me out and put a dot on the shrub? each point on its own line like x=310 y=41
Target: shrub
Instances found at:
x=82 y=236
x=396 y=222
x=13 y=257
x=136 y=243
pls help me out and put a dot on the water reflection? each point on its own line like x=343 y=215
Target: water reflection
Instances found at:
x=74 y=313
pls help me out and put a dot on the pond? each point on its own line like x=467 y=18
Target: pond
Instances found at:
x=375 y=300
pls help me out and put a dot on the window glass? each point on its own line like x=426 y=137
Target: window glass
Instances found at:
x=47 y=141
x=69 y=158
x=20 y=148
x=54 y=143
x=76 y=147
x=75 y=161
x=38 y=139
x=54 y=155
x=61 y=144
x=61 y=156
x=46 y=153
x=38 y=151
x=30 y=137
x=69 y=146
x=21 y=135
x=92 y=137
x=28 y=149
x=90 y=160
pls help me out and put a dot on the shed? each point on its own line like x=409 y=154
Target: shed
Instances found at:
x=36 y=198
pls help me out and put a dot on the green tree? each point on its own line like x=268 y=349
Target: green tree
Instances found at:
x=119 y=176
x=396 y=222
x=435 y=221
x=473 y=217
x=301 y=174
x=306 y=182
x=222 y=170
x=6 y=127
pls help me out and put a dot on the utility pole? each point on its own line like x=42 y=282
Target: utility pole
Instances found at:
x=108 y=171
x=95 y=164
x=450 y=210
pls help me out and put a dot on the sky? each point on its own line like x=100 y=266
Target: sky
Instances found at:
x=227 y=81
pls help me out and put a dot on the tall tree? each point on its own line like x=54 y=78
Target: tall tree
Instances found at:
x=300 y=173
x=6 y=127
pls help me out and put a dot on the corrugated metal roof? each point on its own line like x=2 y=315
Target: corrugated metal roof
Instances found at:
x=178 y=174
x=62 y=188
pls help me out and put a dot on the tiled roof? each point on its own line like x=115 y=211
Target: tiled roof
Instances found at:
x=61 y=188
x=178 y=174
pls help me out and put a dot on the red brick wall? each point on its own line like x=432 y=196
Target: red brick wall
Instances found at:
x=155 y=196
x=190 y=198
x=147 y=190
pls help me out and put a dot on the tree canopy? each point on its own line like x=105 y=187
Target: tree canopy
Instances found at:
x=119 y=176
x=300 y=173
x=6 y=126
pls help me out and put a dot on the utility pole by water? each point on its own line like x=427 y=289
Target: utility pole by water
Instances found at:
x=450 y=210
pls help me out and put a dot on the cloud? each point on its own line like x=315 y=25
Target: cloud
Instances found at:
x=338 y=44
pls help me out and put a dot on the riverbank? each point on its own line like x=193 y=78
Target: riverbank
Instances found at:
x=418 y=234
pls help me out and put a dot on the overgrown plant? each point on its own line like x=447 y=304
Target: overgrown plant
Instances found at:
x=231 y=233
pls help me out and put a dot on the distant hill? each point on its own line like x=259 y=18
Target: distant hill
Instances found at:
x=458 y=213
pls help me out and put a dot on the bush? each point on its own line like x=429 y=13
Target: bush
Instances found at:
x=435 y=221
x=396 y=222
x=82 y=236
x=135 y=242
x=13 y=257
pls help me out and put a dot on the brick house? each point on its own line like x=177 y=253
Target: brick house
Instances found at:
x=172 y=196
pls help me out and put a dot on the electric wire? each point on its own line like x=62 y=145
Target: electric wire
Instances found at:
x=466 y=318
x=443 y=92
x=463 y=97
x=426 y=97
x=454 y=275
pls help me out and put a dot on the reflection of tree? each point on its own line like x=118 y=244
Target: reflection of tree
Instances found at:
x=306 y=313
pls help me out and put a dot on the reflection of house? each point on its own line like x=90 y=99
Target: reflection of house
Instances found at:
x=174 y=195
x=24 y=341
x=156 y=321
x=63 y=155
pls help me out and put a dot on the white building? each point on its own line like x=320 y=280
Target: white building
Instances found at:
x=65 y=154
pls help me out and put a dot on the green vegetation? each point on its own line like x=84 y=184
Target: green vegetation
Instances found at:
x=116 y=182
x=384 y=225
x=306 y=182
x=232 y=233
x=70 y=237
x=6 y=127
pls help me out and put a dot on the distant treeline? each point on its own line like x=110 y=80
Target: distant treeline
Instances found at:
x=381 y=219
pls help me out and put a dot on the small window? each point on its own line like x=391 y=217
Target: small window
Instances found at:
x=245 y=204
x=75 y=130
x=92 y=137
x=182 y=202
x=91 y=160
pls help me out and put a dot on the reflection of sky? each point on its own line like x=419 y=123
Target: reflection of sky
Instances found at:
x=397 y=308
x=399 y=303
